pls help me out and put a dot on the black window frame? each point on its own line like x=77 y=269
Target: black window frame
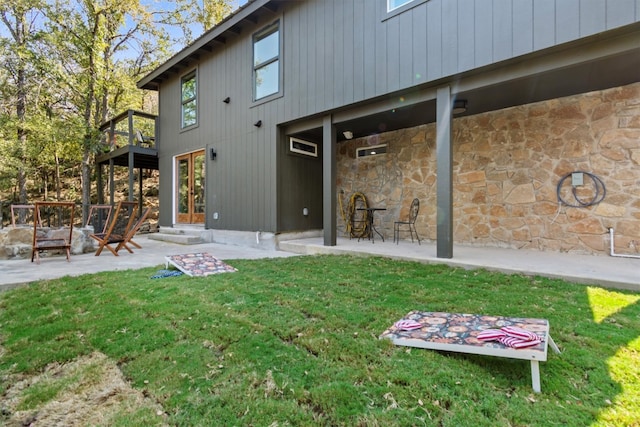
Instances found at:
x=274 y=27
x=192 y=75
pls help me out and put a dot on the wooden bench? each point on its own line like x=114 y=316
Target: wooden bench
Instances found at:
x=457 y=332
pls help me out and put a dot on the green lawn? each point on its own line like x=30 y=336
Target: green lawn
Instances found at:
x=294 y=341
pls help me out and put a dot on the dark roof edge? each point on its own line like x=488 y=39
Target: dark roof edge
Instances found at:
x=215 y=33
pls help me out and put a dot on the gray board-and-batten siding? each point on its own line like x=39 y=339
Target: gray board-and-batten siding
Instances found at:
x=338 y=54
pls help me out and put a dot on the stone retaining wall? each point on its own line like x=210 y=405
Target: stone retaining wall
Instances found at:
x=507 y=167
x=15 y=243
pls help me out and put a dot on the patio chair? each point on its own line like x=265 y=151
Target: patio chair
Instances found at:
x=52 y=228
x=143 y=140
x=410 y=223
x=23 y=215
x=120 y=225
x=99 y=216
x=134 y=229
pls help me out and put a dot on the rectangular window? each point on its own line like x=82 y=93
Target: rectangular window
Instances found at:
x=394 y=4
x=396 y=7
x=266 y=62
x=371 y=151
x=301 y=146
x=189 y=100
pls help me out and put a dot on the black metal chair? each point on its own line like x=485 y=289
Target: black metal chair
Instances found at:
x=410 y=223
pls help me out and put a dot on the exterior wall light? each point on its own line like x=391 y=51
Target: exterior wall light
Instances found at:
x=459 y=106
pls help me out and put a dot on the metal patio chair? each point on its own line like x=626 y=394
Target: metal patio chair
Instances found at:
x=410 y=223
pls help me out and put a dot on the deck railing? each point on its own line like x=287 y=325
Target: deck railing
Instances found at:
x=130 y=127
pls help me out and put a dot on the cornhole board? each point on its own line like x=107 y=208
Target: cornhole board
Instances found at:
x=457 y=332
x=198 y=264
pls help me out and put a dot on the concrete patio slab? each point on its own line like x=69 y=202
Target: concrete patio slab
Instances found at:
x=606 y=271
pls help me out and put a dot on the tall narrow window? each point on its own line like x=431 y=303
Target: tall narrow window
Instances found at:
x=266 y=62
x=189 y=104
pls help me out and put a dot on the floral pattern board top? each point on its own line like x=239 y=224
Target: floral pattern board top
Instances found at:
x=199 y=264
x=458 y=332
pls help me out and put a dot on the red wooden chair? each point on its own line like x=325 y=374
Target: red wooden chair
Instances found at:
x=119 y=227
x=99 y=216
x=132 y=232
x=23 y=215
x=52 y=229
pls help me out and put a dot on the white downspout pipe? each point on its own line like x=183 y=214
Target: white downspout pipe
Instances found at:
x=613 y=250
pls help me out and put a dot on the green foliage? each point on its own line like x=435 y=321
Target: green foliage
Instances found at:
x=201 y=16
x=79 y=62
x=294 y=341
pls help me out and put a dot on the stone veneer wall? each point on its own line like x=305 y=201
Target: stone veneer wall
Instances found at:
x=507 y=166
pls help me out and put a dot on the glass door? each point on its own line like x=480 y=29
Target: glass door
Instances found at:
x=190 y=170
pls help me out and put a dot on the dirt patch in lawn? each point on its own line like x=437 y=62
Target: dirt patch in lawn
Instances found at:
x=90 y=390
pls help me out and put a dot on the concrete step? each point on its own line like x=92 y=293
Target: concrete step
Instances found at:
x=183 y=239
x=181 y=231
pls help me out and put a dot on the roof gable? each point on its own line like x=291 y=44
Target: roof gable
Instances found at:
x=215 y=38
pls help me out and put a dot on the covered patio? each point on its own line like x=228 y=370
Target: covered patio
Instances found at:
x=574 y=69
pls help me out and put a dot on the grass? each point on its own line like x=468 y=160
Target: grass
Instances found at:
x=294 y=341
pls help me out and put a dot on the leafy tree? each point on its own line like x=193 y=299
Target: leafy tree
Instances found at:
x=103 y=48
x=210 y=12
x=70 y=65
x=20 y=19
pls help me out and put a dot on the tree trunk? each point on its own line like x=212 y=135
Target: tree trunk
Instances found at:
x=86 y=184
x=45 y=185
x=90 y=97
x=21 y=106
x=58 y=183
x=22 y=133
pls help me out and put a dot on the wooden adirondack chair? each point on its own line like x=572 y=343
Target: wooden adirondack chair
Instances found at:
x=52 y=228
x=134 y=229
x=119 y=227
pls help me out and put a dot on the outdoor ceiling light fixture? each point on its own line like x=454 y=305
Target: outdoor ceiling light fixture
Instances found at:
x=459 y=106
x=348 y=134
